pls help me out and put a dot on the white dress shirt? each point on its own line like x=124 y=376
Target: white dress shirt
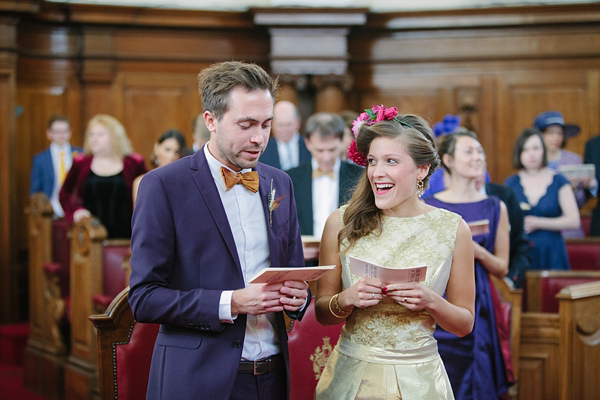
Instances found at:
x=246 y=218
x=325 y=196
x=289 y=153
x=68 y=159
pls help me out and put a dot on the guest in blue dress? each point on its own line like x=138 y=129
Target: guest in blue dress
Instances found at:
x=475 y=364
x=547 y=201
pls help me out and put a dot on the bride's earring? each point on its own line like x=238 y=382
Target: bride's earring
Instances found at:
x=420 y=187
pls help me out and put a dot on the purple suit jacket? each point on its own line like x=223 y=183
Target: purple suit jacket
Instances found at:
x=183 y=257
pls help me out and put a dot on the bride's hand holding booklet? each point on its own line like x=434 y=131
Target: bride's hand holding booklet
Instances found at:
x=282 y=274
x=367 y=269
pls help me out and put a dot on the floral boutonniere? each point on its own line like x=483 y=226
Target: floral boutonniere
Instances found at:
x=273 y=203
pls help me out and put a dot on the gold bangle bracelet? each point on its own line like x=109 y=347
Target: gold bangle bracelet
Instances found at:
x=334 y=300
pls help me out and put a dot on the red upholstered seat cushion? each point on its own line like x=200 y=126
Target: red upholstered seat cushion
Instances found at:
x=133 y=362
x=13 y=339
x=584 y=255
x=552 y=285
x=101 y=301
x=310 y=345
x=112 y=269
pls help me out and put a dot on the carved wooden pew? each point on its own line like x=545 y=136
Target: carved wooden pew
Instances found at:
x=510 y=315
x=97 y=274
x=124 y=351
x=560 y=352
x=47 y=346
x=541 y=287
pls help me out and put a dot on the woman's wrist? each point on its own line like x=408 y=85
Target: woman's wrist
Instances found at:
x=335 y=309
x=343 y=303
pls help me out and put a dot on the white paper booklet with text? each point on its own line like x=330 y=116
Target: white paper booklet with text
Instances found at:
x=367 y=269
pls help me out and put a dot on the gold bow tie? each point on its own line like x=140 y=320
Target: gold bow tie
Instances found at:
x=248 y=179
x=317 y=173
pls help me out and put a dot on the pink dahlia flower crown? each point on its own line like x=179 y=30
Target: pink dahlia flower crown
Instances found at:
x=370 y=117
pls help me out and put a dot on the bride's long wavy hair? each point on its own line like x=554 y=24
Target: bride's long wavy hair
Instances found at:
x=362 y=217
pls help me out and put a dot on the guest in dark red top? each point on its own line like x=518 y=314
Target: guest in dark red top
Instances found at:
x=99 y=182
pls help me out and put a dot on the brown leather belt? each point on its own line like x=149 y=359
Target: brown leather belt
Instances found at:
x=262 y=366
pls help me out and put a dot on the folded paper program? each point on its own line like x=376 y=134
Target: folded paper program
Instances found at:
x=364 y=268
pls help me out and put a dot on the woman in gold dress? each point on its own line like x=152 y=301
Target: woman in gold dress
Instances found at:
x=387 y=349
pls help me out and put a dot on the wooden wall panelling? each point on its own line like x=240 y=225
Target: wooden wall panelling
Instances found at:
x=149 y=104
x=9 y=279
x=38 y=104
x=199 y=46
x=540 y=336
x=7 y=223
x=525 y=93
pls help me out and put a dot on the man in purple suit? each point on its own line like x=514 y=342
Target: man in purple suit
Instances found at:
x=199 y=237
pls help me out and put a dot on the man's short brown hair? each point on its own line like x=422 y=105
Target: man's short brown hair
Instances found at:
x=216 y=81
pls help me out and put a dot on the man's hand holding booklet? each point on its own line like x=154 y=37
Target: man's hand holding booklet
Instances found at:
x=364 y=268
x=282 y=274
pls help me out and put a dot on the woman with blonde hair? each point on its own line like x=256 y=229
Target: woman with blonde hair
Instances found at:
x=100 y=181
x=387 y=349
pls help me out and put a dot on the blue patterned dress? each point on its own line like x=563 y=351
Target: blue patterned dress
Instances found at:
x=548 y=250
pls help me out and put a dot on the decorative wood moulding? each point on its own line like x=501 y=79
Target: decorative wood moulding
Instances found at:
x=20 y=6
x=144 y=16
x=309 y=40
x=299 y=82
x=344 y=81
x=488 y=17
x=309 y=16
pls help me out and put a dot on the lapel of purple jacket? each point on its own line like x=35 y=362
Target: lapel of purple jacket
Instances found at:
x=208 y=189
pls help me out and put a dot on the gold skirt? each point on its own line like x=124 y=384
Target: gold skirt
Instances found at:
x=355 y=371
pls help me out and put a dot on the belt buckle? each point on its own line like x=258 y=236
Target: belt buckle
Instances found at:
x=255 y=364
x=260 y=366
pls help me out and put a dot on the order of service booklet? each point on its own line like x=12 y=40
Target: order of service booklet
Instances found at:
x=367 y=269
x=479 y=227
x=282 y=274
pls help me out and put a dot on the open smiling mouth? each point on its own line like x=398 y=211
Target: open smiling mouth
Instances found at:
x=382 y=188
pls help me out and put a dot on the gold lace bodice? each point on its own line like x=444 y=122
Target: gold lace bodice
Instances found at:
x=426 y=239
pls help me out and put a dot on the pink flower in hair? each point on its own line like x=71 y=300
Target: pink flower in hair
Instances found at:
x=355 y=155
x=356 y=126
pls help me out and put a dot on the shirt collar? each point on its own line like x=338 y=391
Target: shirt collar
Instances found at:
x=215 y=167
x=57 y=149
x=336 y=167
x=292 y=141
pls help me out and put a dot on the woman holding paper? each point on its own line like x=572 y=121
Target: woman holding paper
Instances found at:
x=547 y=201
x=475 y=363
x=555 y=133
x=387 y=349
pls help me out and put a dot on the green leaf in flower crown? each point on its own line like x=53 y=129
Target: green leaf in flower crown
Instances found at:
x=370 y=113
